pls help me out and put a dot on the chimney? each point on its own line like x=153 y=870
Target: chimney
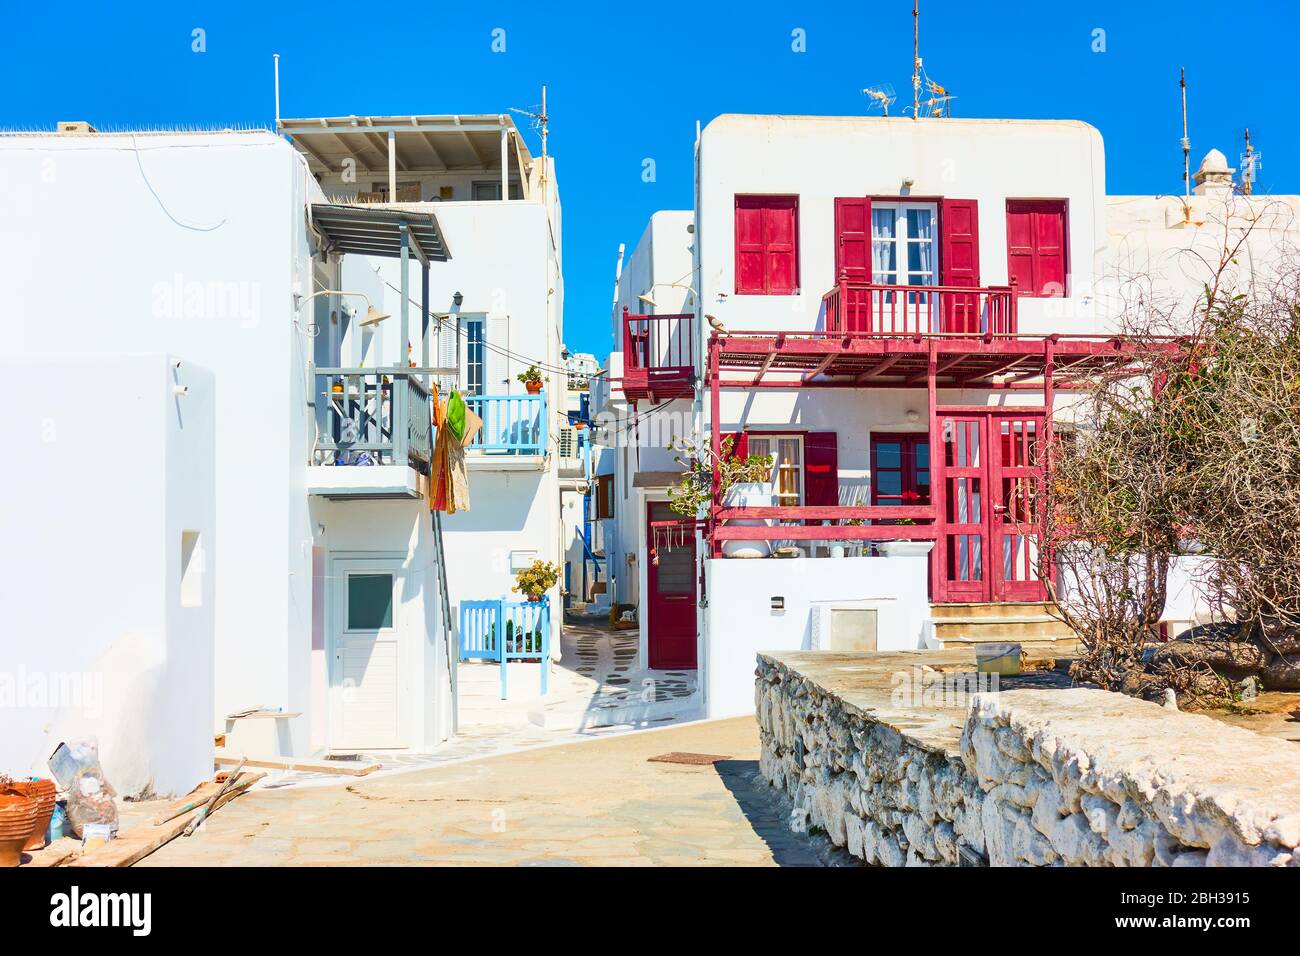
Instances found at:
x=1214 y=178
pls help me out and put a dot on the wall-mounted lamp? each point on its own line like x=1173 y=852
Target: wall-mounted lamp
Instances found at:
x=457 y=299
x=778 y=602
x=373 y=315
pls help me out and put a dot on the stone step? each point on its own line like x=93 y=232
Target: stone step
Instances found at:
x=992 y=609
x=980 y=630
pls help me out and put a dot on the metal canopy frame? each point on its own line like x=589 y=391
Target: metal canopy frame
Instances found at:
x=800 y=360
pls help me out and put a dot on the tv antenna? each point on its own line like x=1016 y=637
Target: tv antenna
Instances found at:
x=940 y=101
x=540 y=121
x=916 y=59
x=881 y=96
x=1251 y=162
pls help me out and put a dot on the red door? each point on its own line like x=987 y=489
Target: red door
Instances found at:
x=963 y=562
x=670 y=613
x=1015 y=478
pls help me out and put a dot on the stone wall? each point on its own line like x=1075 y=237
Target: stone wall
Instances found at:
x=1065 y=776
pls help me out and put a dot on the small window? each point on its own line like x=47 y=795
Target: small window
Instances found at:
x=787 y=465
x=1036 y=246
x=767 y=245
x=191 y=570
x=900 y=469
x=604 y=497
x=491 y=189
x=370 y=602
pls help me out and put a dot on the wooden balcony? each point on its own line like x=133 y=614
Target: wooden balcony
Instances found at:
x=658 y=356
x=866 y=307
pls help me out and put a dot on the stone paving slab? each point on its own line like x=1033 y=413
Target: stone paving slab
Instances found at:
x=600 y=802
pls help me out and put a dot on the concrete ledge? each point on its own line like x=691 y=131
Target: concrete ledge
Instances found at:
x=363 y=481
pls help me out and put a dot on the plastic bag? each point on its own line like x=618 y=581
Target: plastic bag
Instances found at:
x=90 y=797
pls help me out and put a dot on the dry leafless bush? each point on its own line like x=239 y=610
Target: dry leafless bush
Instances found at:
x=1193 y=447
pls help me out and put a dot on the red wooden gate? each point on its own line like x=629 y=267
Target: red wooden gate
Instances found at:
x=991 y=472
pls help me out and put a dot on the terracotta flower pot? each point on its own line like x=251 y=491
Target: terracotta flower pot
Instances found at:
x=44 y=792
x=533 y=387
x=18 y=814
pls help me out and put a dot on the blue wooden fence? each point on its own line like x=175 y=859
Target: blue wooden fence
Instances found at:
x=505 y=631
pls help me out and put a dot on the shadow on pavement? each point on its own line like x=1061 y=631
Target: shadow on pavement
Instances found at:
x=765 y=809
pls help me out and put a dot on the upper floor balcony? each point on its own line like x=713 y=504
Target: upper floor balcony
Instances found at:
x=514 y=435
x=658 y=356
x=920 y=310
x=374 y=433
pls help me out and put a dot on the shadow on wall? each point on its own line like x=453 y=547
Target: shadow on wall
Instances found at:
x=498 y=502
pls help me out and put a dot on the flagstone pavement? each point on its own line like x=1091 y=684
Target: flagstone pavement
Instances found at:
x=595 y=802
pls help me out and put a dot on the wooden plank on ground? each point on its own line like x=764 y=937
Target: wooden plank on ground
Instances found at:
x=311 y=766
x=134 y=845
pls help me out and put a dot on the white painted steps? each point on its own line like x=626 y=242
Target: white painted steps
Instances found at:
x=1031 y=623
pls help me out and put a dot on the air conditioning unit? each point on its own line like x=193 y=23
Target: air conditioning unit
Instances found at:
x=845 y=626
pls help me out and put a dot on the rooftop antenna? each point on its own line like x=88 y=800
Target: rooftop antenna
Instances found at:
x=1250 y=162
x=1187 y=150
x=881 y=96
x=916 y=60
x=540 y=121
x=276 y=57
x=940 y=101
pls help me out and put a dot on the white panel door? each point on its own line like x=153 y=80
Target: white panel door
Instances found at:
x=365 y=684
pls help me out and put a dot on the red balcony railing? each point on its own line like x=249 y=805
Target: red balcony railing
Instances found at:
x=920 y=310
x=658 y=356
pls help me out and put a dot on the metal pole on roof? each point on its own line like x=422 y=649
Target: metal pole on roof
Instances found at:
x=392 y=168
x=505 y=161
x=276 y=57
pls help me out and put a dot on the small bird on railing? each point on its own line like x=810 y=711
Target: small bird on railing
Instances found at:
x=716 y=323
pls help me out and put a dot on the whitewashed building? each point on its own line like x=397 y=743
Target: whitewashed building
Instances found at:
x=860 y=291
x=253 y=571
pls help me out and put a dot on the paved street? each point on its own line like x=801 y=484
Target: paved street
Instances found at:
x=597 y=802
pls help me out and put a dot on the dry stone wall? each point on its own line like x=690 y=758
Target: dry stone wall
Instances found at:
x=1071 y=777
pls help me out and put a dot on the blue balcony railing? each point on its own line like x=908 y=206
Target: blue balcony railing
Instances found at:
x=512 y=424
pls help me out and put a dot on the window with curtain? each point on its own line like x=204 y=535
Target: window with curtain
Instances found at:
x=903 y=239
x=787 y=465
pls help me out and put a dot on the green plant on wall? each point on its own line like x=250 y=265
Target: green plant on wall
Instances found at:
x=692 y=494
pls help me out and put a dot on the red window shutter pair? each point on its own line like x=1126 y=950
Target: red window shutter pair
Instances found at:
x=767 y=245
x=1036 y=259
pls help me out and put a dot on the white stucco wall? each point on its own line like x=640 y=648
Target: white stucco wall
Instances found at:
x=200 y=243
x=99 y=637
x=739 y=621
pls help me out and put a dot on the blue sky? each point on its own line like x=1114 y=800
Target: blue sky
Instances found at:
x=628 y=83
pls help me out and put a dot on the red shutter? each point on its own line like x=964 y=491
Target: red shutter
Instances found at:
x=780 y=242
x=959 y=263
x=740 y=444
x=750 y=267
x=1036 y=246
x=1050 y=241
x=821 y=476
x=1020 y=248
x=853 y=239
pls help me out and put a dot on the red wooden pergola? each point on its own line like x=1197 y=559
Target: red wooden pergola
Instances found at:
x=996 y=359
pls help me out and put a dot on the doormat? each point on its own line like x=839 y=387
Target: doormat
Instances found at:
x=689 y=758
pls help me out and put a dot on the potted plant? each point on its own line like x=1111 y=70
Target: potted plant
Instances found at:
x=745 y=482
x=532 y=379
x=536 y=579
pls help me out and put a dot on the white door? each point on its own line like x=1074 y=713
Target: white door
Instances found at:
x=365 y=684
